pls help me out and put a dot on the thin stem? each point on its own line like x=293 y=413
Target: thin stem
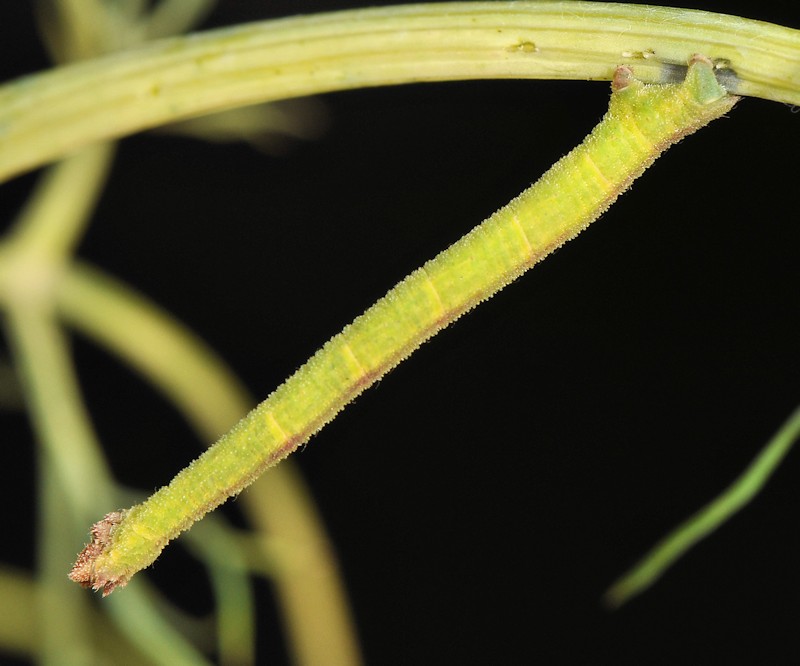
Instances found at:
x=664 y=554
x=60 y=208
x=228 y=574
x=62 y=425
x=74 y=475
x=62 y=618
x=189 y=374
x=19 y=630
x=34 y=257
x=80 y=29
x=172 y=17
x=157 y=639
x=64 y=431
x=46 y=115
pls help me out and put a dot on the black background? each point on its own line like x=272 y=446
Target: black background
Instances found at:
x=483 y=496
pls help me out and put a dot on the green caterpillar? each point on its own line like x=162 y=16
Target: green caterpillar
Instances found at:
x=642 y=121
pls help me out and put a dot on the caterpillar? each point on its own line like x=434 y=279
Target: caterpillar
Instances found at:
x=641 y=122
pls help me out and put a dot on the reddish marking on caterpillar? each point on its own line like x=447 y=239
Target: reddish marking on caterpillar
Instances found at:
x=623 y=75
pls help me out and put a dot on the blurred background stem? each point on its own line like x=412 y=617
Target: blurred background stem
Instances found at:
x=36 y=270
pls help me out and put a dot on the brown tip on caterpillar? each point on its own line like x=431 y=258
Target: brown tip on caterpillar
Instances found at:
x=623 y=75
x=83 y=571
x=699 y=57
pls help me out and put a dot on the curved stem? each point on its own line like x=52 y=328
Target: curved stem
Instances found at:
x=32 y=261
x=190 y=375
x=664 y=554
x=60 y=208
x=62 y=618
x=59 y=416
x=72 y=465
x=45 y=115
x=235 y=601
x=19 y=629
x=19 y=634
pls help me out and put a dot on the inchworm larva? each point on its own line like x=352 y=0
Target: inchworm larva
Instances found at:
x=642 y=121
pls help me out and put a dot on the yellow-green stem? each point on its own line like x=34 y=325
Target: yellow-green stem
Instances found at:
x=47 y=115
x=664 y=554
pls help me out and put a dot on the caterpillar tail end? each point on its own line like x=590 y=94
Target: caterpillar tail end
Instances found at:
x=84 y=571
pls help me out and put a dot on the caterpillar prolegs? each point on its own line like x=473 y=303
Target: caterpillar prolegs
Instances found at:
x=642 y=121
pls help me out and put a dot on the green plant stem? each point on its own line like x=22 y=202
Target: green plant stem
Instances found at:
x=316 y=616
x=312 y=597
x=147 y=630
x=172 y=17
x=19 y=633
x=74 y=476
x=46 y=115
x=18 y=630
x=187 y=372
x=63 y=429
x=234 y=595
x=60 y=207
x=65 y=633
x=80 y=29
x=664 y=554
x=34 y=257
x=62 y=426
